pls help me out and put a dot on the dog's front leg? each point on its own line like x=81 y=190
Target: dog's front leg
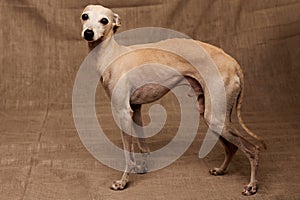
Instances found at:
x=141 y=166
x=126 y=123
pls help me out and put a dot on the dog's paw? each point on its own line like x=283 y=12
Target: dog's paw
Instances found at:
x=141 y=169
x=249 y=190
x=118 y=185
x=217 y=172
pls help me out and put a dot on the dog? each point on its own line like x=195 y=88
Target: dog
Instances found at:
x=99 y=26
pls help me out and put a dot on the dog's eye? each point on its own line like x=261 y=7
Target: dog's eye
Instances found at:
x=85 y=17
x=104 y=21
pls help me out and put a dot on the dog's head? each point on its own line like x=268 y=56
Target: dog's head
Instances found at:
x=98 y=23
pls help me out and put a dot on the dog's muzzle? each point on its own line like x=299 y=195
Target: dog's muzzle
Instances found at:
x=89 y=35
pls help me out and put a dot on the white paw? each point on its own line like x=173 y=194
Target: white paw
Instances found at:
x=118 y=185
x=141 y=169
x=217 y=172
x=249 y=190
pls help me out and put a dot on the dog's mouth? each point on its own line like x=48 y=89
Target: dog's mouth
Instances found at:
x=92 y=44
x=92 y=41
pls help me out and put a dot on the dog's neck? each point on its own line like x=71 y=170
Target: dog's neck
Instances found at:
x=106 y=50
x=92 y=45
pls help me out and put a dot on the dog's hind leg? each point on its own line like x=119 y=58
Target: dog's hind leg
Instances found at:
x=234 y=141
x=230 y=150
x=141 y=166
x=250 y=150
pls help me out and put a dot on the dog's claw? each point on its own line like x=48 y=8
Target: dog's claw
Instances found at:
x=249 y=190
x=217 y=172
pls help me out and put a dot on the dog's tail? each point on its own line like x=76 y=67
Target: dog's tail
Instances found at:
x=238 y=112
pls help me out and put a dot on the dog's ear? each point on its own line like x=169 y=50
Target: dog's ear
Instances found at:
x=117 y=22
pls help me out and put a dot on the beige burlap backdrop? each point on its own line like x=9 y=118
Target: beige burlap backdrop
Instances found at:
x=41 y=51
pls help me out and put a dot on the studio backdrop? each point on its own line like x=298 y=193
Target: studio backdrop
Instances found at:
x=42 y=49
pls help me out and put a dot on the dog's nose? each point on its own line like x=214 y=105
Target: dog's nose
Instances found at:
x=89 y=35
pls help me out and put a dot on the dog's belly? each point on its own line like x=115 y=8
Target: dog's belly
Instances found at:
x=151 y=92
x=148 y=93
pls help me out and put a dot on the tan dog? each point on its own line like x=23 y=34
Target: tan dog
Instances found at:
x=99 y=26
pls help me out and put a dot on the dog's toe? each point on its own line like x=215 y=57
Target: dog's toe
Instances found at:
x=217 y=172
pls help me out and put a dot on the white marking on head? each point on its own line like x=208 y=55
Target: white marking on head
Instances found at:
x=98 y=22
